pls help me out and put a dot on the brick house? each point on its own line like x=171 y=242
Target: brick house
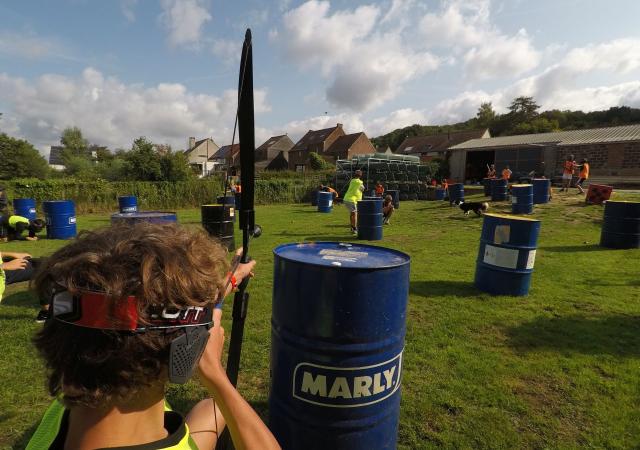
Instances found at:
x=613 y=152
x=317 y=141
x=199 y=155
x=345 y=147
x=228 y=156
x=273 y=154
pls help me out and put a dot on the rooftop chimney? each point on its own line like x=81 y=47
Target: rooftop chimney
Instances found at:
x=339 y=125
x=192 y=142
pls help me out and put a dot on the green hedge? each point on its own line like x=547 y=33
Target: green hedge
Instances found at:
x=102 y=196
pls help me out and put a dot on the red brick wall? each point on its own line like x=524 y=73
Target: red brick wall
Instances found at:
x=362 y=146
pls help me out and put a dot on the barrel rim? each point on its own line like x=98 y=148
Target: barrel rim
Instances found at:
x=406 y=256
x=145 y=213
x=521 y=185
x=621 y=201
x=511 y=217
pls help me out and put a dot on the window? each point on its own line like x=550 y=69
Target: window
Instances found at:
x=299 y=167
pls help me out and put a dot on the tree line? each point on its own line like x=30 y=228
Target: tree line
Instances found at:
x=522 y=117
x=144 y=161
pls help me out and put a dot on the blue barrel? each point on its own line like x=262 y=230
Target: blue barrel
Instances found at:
x=522 y=198
x=440 y=193
x=325 y=202
x=25 y=207
x=456 y=192
x=621 y=226
x=499 y=188
x=507 y=254
x=145 y=216
x=395 y=195
x=337 y=335
x=128 y=204
x=60 y=216
x=541 y=190
x=370 y=219
x=486 y=184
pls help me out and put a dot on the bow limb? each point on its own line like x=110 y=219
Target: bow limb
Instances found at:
x=246 y=133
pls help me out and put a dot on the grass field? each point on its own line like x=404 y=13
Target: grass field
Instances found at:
x=557 y=369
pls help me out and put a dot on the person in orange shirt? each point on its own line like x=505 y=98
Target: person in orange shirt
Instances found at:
x=379 y=189
x=324 y=188
x=568 y=168
x=506 y=173
x=584 y=174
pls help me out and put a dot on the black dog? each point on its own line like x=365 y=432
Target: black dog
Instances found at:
x=477 y=207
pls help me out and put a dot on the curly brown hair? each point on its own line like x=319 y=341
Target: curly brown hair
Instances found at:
x=162 y=265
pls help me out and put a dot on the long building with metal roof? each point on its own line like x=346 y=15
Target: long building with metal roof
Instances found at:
x=613 y=153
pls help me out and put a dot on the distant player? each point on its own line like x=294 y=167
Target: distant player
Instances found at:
x=352 y=197
x=568 y=168
x=506 y=173
x=491 y=171
x=387 y=209
x=584 y=174
x=14 y=226
x=379 y=189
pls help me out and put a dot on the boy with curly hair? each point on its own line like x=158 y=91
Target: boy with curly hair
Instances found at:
x=131 y=311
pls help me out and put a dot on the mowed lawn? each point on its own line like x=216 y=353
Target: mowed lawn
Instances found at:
x=559 y=368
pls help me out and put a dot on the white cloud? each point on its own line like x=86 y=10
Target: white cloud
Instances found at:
x=365 y=65
x=31 y=46
x=112 y=113
x=227 y=50
x=619 y=56
x=184 y=19
x=397 y=119
x=128 y=9
x=466 y=27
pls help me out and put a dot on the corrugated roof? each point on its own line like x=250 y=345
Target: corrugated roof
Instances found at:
x=55 y=155
x=437 y=142
x=571 y=137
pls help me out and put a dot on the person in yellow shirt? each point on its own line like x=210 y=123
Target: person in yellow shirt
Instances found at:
x=352 y=197
x=584 y=174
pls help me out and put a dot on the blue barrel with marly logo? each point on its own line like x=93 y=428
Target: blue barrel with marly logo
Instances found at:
x=541 y=190
x=456 y=192
x=128 y=204
x=499 y=187
x=337 y=337
x=522 y=198
x=325 y=202
x=25 y=207
x=145 y=216
x=507 y=254
x=440 y=193
x=395 y=195
x=621 y=225
x=60 y=216
x=370 y=219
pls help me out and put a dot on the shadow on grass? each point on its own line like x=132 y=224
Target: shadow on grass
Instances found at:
x=25 y=437
x=614 y=335
x=574 y=248
x=22 y=298
x=440 y=288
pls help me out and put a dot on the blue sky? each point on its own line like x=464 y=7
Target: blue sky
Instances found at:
x=167 y=69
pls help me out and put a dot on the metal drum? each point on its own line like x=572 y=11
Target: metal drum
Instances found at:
x=128 y=204
x=217 y=220
x=238 y=200
x=25 y=207
x=541 y=190
x=337 y=336
x=456 y=192
x=325 y=202
x=144 y=216
x=440 y=193
x=507 y=254
x=522 y=198
x=486 y=184
x=621 y=226
x=314 y=198
x=229 y=200
x=370 y=219
x=60 y=216
x=499 y=189
x=395 y=195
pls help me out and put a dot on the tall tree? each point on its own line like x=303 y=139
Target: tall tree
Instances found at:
x=19 y=159
x=523 y=109
x=73 y=142
x=174 y=165
x=485 y=115
x=143 y=161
